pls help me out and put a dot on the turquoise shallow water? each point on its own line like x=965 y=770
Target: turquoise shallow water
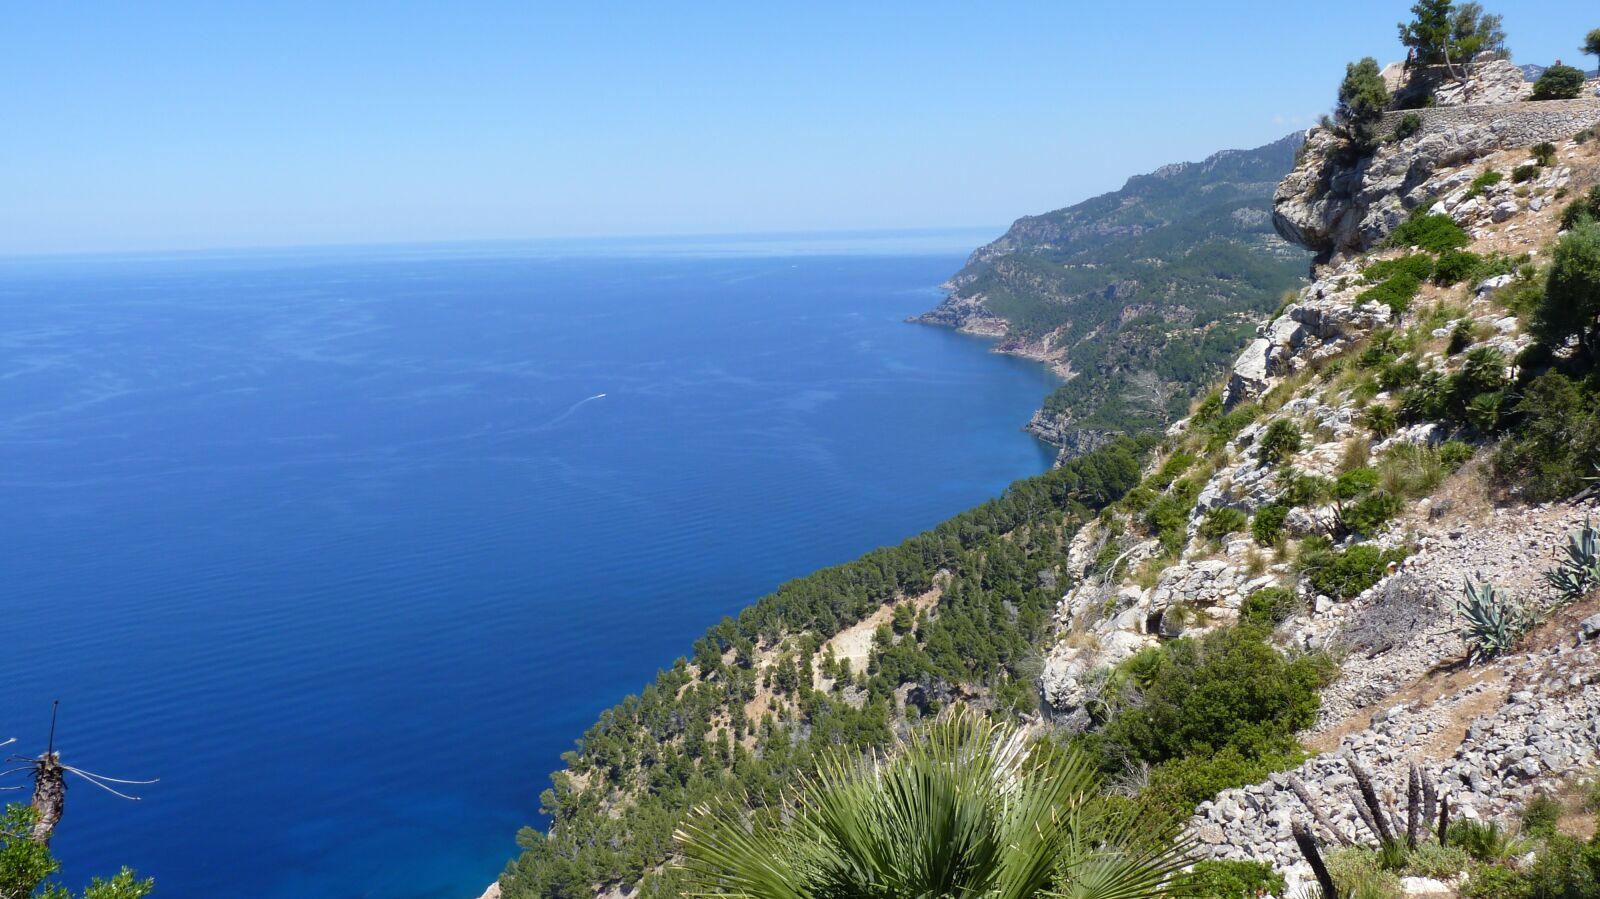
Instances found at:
x=347 y=547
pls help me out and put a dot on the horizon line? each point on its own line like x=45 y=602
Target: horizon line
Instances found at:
x=574 y=241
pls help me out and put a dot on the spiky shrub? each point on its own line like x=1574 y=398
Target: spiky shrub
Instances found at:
x=1281 y=440
x=1493 y=620
x=1485 y=842
x=1222 y=521
x=964 y=808
x=1579 y=572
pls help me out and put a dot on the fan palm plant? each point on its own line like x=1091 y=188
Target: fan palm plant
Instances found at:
x=965 y=809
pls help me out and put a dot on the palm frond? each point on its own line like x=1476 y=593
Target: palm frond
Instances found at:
x=964 y=808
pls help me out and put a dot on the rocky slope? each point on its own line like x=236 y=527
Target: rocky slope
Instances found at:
x=1490 y=735
x=1139 y=296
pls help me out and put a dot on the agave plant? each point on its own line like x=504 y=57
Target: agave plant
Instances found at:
x=964 y=808
x=1494 y=620
x=1579 y=572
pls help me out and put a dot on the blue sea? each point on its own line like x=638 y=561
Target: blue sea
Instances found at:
x=347 y=546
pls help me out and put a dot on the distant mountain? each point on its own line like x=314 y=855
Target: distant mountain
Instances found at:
x=1140 y=295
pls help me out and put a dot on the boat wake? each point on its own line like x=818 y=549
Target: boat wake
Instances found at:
x=567 y=414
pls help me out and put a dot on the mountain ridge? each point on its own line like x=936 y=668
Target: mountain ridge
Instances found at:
x=1149 y=288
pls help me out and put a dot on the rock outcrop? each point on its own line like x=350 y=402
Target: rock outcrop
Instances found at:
x=1340 y=204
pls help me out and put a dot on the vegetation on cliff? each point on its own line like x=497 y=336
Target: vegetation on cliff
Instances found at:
x=762 y=701
x=1146 y=292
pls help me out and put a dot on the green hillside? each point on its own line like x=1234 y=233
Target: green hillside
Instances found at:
x=1146 y=293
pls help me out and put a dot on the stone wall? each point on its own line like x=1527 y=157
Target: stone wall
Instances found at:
x=1514 y=124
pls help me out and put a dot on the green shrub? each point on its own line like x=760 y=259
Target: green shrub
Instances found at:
x=1556 y=442
x=1269 y=606
x=1540 y=814
x=1207 y=410
x=1563 y=868
x=1409 y=125
x=1168 y=516
x=1217 y=879
x=1484 y=410
x=1585 y=208
x=1494 y=882
x=1430 y=859
x=1267 y=527
x=1460 y=337
x=1483 y=371
x=1544 y=154
x=1559 y=83
x=1344 y=574
x=1523 y=296
x=1368 y=515
x=1363 y=97
x=1380 y=420
x=1228 y=426
x=1279 y=441
x=1524 y=173
x=1455 y=453
x=1230 y=689
x=1222 y=521
x=1399 y=373
x=1483 y=841
x=1455 y=266
x=1175 y=465
x=1301 y=489
x=1176 y=786
x=1483 y=182
x=1427 y=399
x=1417 y=265
x=1475 y=394
x=1571 y=303
x=1355 y=482
x=1359 y=873
x=1433 y=232
x=1396 y=292
x=1374 y=357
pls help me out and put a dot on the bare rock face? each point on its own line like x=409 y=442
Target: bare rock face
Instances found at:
x=1339 y=207
x=1058 y=430
x=966 y=314
x=1338 y=203
x=1490 y=80
x=1322 y=320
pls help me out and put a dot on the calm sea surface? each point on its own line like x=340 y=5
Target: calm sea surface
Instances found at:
x=348 y=546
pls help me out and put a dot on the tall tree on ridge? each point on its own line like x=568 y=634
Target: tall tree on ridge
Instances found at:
x=1443 y=33
x=1591 y=44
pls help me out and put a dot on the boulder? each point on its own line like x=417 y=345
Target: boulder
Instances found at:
x=1589 y=628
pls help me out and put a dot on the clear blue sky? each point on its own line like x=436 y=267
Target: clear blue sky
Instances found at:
x=185 y=125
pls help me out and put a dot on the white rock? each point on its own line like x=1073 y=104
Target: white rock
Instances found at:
x=1425 y=886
